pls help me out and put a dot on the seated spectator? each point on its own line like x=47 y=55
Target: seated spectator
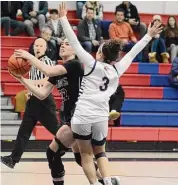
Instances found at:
x=34 y=12
x=52 y=51
x=89 y=32
x=9 y=11
x=173 y=75
x=96 y=6
x=132 y=17
x=55 y=24
x=122 y=31
x=171 y=37
x=158 y=46
x=79 y=8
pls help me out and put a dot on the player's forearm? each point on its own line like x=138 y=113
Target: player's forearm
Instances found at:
x=35 y=90
x=69 y=33
x=126 y=61
x=44 y=68
x=84 y=56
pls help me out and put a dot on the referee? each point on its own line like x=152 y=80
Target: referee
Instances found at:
x=36 y=110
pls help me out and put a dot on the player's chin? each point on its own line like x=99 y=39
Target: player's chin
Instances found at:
x=62 y=54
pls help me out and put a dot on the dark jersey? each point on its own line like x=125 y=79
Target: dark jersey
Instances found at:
x=68 y=86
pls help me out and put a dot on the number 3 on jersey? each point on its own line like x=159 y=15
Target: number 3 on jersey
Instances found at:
x=105 y=84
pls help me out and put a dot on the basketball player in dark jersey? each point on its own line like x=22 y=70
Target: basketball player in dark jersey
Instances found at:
x=67 y=78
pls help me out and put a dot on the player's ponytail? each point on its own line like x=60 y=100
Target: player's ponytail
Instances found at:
x=110 y=50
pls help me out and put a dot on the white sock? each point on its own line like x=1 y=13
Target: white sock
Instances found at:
x=96 y=183
x=107 y=181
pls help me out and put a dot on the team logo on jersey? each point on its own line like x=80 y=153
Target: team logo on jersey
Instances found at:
x=62 y=82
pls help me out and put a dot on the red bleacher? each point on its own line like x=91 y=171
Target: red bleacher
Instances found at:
x=10 y=87
x=124 y=134
x=145 y=17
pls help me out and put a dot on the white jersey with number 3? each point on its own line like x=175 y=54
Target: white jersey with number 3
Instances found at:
x=101 y=79
x=96 y=89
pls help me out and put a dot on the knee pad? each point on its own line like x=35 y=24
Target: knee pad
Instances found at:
x=50 y=155
x=62 y=148
x=58 y=182
x=78 y=159
x=99 y=155
x=57 y=168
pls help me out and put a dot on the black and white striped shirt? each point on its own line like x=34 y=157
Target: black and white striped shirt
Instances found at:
x=36 y=74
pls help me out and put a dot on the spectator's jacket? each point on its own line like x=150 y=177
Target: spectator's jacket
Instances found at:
x=98 y=10
x=15 y=5
x=28 y=7
x=174 y=73
x=83 y=31
x=121 y=31
x=51 y=51
x=133 y=12
x=60 y=32
x=171 y=36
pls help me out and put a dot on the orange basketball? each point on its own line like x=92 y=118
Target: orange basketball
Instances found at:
x=18 y=66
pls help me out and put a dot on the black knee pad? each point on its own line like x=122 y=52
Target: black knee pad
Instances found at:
x=62 y=148
x=102 y=154
x=78 y=159
x=50 y=155
x=57 y=167
x=58 y=182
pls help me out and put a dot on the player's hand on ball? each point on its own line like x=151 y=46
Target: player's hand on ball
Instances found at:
x=22 y=53
x=62 y=10
x=155 y=29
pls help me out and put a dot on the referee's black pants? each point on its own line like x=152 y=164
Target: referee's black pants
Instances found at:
x=36 y=110
x=116 y=101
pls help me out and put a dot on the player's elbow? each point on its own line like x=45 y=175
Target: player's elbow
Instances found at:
x=42 y=95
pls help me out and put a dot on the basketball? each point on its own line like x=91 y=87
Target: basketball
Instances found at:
x=18 y=66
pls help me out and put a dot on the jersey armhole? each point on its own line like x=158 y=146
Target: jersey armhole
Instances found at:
x=116 y=69
x=91 y=69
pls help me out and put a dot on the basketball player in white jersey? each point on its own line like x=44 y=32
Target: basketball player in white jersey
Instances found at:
x=90 y=119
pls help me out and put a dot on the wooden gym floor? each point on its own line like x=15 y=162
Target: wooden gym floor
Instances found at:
x=131 y=172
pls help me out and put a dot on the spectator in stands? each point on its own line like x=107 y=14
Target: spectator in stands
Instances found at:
x=173 y=75
x=171 y=37
x=34 y=12
x=52 y=51
x=89 y=32
x=55 y=24
x=9 y=10
x=158 y=46
x=96 y=6
x=132 y=17
x=122 y=31
x=79 y=8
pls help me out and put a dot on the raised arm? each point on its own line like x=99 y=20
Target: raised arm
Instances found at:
x=126 y=61
x=83 y=56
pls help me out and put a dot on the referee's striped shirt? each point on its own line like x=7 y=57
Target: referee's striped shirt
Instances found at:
x=36 y=74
